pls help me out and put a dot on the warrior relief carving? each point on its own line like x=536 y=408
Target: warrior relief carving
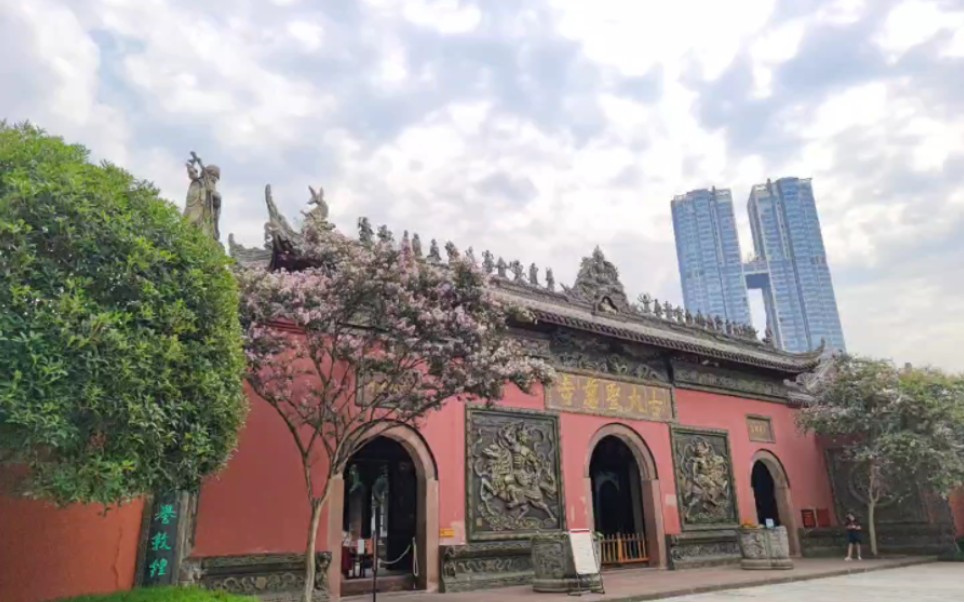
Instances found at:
x=704 y=480
x=513 y=475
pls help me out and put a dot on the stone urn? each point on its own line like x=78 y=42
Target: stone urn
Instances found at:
x=554 y=569
x=764 y=549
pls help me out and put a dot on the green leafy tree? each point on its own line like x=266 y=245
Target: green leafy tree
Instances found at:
x=120 y=347
x=894 y=424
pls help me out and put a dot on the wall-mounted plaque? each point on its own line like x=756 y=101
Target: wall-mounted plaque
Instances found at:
x=760 y=429
x=514 y=485
x=593 y=395
x=809 y=517
x=704 y=479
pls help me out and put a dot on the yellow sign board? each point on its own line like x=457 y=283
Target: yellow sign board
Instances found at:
x=593 y=395
x=446 y=533
x=760 y=429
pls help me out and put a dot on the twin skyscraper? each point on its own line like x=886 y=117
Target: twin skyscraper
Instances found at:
x=789 y=263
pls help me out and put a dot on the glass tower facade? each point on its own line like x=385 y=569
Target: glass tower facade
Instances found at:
x=791 y=266
x=708 y=252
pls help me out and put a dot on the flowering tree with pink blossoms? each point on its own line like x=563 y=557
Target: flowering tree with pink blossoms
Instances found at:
x=368 y=336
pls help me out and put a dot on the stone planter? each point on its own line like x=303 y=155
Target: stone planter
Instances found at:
x=553 y=568
x=764 y=549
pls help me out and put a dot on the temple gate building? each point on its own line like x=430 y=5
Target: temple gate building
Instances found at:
x=663 y=433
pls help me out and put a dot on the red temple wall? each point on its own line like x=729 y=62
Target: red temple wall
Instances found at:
x=957 y=510
x=258 y=505
x=800 y=455
x=47 y=553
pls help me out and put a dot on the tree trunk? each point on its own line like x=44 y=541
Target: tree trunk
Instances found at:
x=316 y=505
x=872 y=496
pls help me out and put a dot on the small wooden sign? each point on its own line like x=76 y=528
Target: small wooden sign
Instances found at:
x=823 y=517
x=583 y=552
x=446 y=533
x=809 y=518
x=760 y=429
x=160 y=558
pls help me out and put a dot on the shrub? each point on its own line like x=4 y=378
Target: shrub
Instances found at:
x=165 y=594
x=120 y=347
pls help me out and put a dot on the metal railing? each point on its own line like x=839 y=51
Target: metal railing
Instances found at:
x=623 y=548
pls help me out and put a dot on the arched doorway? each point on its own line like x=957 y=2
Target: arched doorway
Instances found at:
x=380 y=504
x=617 y=507
x=396 y=461
x=764 y=493
x=624 y=489
x=771 y=493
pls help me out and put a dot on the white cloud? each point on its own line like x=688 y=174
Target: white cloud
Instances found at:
x=536 y=130
x=914 y=22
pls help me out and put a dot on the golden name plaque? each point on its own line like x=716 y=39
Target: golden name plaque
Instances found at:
x=594 y=395
x=760 y=429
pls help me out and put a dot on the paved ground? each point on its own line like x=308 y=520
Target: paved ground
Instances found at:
x=936 y=582
x=652 y=584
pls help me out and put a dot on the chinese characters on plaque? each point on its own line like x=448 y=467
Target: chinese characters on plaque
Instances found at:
x=593 y=395
x=161 y=541
x=760 y=429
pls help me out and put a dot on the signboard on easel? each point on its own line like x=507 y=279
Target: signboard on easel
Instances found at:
x=583 y=552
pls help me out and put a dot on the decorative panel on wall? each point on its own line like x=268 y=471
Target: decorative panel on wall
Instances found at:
x=704 y=479
x=513 y=480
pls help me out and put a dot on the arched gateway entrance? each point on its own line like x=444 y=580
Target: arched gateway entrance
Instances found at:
x=625 y=498
x=397 y=463
x=771 y=494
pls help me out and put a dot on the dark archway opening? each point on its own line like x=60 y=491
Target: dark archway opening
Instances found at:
x=617 y=502
x=764 y=492
x=381 y=465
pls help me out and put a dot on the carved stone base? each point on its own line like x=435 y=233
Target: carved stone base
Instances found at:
x=702 y=548
x=485 y=564
x=553 y=567
x=893 y=539
x=765 y=549
x=270 y=577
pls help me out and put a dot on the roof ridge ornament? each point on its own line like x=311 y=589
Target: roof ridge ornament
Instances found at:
x=598 y=284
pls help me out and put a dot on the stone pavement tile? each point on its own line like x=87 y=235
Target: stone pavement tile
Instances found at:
x=936 y=582
x=652 y=584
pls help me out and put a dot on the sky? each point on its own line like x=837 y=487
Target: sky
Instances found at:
x=538 y=129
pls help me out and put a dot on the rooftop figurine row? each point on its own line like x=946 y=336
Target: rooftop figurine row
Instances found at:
x=515 y=272
x=282 y=242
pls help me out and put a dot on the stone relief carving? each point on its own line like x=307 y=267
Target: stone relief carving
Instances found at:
x=599 y=355
x=485 y=564
x=728 y=381
x=549 y=558
x=268 y=576
x=513 y=472
x=704 y=479
x=703 y=550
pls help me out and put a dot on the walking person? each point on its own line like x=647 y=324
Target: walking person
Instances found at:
x=853 y=536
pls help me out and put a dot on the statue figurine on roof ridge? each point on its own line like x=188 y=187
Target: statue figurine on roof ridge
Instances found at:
x=433 y=253
x=533 y=275
x=203 y=205
x=488 y=261
x=550 y=280
x=318 y=200
x=516 y=268
x=451 y=251
x=365 y=232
